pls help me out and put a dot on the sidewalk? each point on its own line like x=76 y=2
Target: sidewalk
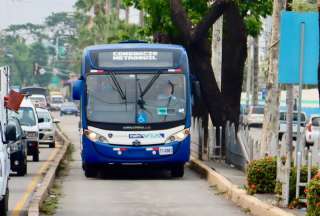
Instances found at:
x=237 y=177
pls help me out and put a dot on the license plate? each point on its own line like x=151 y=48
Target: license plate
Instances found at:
x=168 y=150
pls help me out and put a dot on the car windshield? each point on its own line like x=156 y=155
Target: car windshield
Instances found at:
x=57 y=100
x=26 y=116
x=45 y=115
x=283 y=116
x=68 y=106
x=316 y=121
x=257 y=110
x=136 y=98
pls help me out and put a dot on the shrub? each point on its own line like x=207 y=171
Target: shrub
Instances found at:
x=303 y=178
x=313 y=196
x=261 y=175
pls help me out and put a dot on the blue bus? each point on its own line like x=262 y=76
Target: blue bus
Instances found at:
x=135 y=106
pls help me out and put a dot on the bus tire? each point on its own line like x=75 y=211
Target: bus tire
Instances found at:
x=90 y=171
x=177 y=171
x=4 y=204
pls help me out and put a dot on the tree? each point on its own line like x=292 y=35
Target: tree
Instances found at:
x=188 y=23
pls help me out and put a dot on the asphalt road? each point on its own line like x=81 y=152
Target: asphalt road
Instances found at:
x=135 y=191
x=21 y=188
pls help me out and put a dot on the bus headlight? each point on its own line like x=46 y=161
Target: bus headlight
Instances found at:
x=94 y=137
x=181 y=135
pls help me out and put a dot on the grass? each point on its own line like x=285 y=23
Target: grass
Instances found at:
x=51 y=203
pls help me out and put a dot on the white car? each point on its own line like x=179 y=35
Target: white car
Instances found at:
x=313 y=130
x=28 y=118
x=38 y=100
x=46 y=128
x=56 y=101
x=255 y=116
x=283 y=124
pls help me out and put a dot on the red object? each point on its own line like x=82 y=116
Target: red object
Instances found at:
x=309 y=127
x=13 y=100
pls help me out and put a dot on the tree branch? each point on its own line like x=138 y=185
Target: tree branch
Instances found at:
x=212 y=16
x=180 y=19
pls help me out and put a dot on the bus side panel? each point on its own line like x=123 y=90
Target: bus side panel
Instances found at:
x=90 y=155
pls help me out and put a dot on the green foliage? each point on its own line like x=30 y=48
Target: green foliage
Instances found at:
x=313 y=196
x=304 y=5
x=159 y=19
x=261 y=175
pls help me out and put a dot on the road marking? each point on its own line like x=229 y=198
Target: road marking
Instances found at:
x=33 y=184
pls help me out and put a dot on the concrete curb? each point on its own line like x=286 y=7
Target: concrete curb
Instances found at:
x=235 y=194
x=42 y=190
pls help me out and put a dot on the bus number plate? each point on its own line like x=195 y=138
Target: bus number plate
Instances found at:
x=167 y=150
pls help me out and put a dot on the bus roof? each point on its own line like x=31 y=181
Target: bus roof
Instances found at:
x=133 y=46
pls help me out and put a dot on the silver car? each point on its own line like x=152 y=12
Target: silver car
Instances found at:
x=46 y=128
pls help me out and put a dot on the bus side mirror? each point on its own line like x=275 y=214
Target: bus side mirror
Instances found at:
x=76 y=89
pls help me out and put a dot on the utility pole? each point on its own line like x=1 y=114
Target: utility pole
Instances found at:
x=249 y=73
x=255 y=83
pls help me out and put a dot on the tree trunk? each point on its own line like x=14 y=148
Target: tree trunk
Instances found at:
x=107 y=7
x=141 y=18
x=216 y=59
x=200 y=64
x=271 y=118
x=117 y=8
x=255 y=71
x=234 y=54
x=127 y=12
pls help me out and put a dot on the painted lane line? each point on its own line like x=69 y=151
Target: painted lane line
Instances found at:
x=33 y=184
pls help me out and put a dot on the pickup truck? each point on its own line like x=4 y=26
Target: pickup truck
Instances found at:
x=283 y=124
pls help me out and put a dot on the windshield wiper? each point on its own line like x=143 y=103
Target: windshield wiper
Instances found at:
x=141 y=101
x=152 y=81
x=119 y=89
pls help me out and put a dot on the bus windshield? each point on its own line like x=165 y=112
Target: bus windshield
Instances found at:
x=136 y=98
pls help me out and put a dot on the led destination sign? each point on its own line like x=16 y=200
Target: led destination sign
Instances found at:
x=137 y=59
x=135 y=56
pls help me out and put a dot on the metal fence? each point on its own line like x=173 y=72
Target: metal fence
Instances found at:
x=212 y=148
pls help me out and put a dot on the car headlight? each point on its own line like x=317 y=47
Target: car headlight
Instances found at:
x=178 y=137
x=94 y=137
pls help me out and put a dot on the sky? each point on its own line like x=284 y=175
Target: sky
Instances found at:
x=34 y=11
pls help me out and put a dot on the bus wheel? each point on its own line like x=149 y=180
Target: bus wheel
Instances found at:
x=90 y=171
x=177 y=171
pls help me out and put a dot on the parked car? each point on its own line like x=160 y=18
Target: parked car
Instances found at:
x=28 y=118
x=46 y=128
x=39 y=100
x=313 y=130
x=255 y=116
x=18 y=149
x=56 y=101
x=283 y=123
x=69 y=108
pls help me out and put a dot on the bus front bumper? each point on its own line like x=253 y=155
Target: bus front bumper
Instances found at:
x=102 y=153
